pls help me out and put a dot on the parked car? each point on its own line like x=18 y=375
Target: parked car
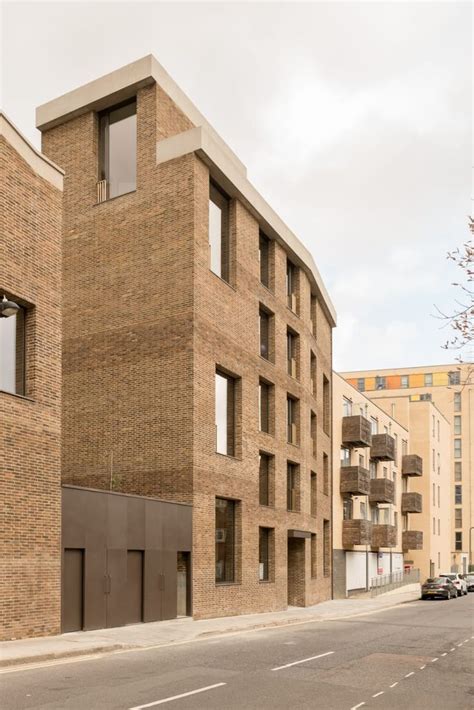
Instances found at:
x=438 y=587
x=458 y=581
x=470 y=582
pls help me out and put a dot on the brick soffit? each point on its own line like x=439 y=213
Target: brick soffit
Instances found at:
x=38 y=162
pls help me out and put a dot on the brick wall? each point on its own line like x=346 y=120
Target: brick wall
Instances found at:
x=30 y=510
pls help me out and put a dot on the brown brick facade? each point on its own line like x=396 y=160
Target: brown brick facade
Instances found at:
x=30 y=511
x=146 y=324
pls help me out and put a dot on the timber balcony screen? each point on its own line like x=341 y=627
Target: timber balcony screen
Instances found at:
x=356 y=431
x=383 y=447
x=355 y=480
x=356 y=532
x=412 y=540
x=382 y=490
x=384 y=536
x=412 y=465
x=411 y=503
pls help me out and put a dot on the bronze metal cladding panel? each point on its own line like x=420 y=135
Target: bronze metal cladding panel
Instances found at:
x=152 y=586
x=412 y=502
x=356 y=431
x=117 y=587
x=383 y=447
x=356 y=532
x=412 y=540
x=382 y=490
x=169 y=567
x=355 y=480
x=134 y=589
x=73 y=590
x=412 y=465
x=384 y=536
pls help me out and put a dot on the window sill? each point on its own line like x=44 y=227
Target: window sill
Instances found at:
x=288 y=510
x=229 y=456
x=17 y=396
x=111 y=199
x=223 y=281
x=292 y=443
x=266 y=581
x=292 y=311
x=228 y=584
x=267 y=505
x=267 y=359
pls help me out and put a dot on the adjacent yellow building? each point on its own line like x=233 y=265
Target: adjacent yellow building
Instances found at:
x=450 y=388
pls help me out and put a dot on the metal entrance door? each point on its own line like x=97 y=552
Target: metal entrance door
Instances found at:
x=134 y=602
x=73 y=590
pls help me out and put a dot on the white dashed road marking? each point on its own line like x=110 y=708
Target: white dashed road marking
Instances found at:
x=409 y=674
x=377 y=694
x=357 y=706
x=459 y=644
x=394 y=684
x=304 y=660
x=422 y=668
x=444 y=654
x=434 y=659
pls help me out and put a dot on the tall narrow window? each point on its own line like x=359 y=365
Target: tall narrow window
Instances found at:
x=118 y=149
x=458 y=471
x=347 y=508
x=292 y=487
x=458 y=495
x=314 y=494
x=314 y=374
x=266 y=479
x=265 y=545
x=458 y=517
x=265 y=396
x=373 y=468
x=264 y=259
x=291 y=286
x=458 y=540
x=457 y=401
x=428 y=379
x=292 y=352
x=313 y=431
x=325 y=474
x=219 y=239
x=314 y=555
x=326 y=405
x=326 y=549
x=457 y=424
x=12 y=353
x=361 y=384
x=380 y=383
x=457 y=449
x=454 y=378
x=292 y=419
x=404 y=381
x=225 y=414
x=345 y=456
x=346 y=407
x=225 y=540
x=264 y=328
x=314 y=315
x=404 y=447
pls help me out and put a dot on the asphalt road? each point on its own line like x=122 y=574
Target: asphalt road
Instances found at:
x=416 y=656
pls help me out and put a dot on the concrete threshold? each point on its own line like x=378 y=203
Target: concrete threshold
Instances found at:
x=82 y=645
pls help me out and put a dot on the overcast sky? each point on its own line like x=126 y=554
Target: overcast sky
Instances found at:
x=354 y=120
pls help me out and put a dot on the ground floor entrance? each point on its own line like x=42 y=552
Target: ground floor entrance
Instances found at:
x=126 y=559
x=296 y=567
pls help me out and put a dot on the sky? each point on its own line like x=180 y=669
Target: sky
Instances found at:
x=354 y=120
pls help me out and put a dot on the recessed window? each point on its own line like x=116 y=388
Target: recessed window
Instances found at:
x=225 y=413
x=457 y=401
x=380 y=383
x=404 y=381
x=264 y=247
x=347 y=509
x=458 y=540
x=373 y=468
x=458 y=517
x=265 y=406
x=457 y=424
x=118 y=149
x=345 y=456
x=454 y=378
x=458 y=495
x=325 y=474
x=374 y=425
x=292 y=347
x=293 y=487
x=314 y=435
x=346 y=407
x=457 y=471
x=457 y=449
x=219 y=233
x=225 y=540
x=314 y=555
x=266 y=333
x=266 y=485
x=292 y=286
x=314 y=315
x=314 y=374
x=326 y=405
x=361 y=384
x=428 y=379
x=265 y=554
x=292 y=416
x=326 y=549
x=13 y=353
x=313 y=494
x=375 y=515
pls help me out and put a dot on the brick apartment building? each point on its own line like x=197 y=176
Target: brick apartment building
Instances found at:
x=197 y=341
x=30 y=388
x=451 y=390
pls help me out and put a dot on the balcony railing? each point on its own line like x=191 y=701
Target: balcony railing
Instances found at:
x=386 y=582
x=412 y=540
x=356 y=532
x=356 y=431
x=412 y=465
x=384 y=535
x=355 y=480
x=382 y=490
x=383 y=447
x=412 y=502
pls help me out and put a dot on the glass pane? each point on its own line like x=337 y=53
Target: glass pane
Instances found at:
x=215 y=237
x=12 y=354
x=221 y=413
x=122 y=168
x=225 y=540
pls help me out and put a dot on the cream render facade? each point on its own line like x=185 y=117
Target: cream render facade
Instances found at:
x=451 y=389
x=369 y=487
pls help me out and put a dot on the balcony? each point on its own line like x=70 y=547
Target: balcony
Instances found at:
x=355 y=480
x=383 y=447
x=412 y=465
x=411 y=503
x=412 y=540
x=382 y=490
x=356 y=431
x=384 y=536
x=356 y=532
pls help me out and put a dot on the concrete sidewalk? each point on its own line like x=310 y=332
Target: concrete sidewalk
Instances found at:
x=186 y=630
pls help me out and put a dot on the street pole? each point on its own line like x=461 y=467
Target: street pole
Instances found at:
x=469 y=562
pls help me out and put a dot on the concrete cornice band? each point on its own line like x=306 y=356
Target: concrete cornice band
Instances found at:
x=38 y=162
x=200 y=141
